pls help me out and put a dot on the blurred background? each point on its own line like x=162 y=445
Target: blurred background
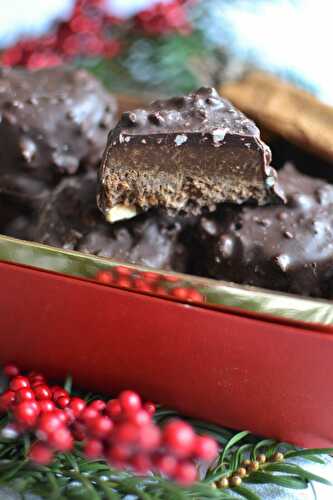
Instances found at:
x=173 y=46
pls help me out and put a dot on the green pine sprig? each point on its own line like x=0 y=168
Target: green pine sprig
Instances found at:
x=72 y=476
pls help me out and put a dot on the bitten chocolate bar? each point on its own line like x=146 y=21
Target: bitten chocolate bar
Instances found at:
x=184 y=154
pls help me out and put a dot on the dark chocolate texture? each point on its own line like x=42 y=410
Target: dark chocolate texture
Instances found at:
x=286 y=248
x=184 y=154
x=71 y=220
x=52 y=122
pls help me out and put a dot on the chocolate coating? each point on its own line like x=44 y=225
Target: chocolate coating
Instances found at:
x=286 y=248
x=184 y=154
x=71 y=220
x=52 y=122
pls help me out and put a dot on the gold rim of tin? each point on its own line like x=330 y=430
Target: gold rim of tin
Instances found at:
x=160 y=283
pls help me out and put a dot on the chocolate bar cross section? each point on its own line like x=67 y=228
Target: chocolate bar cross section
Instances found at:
x=184 y=154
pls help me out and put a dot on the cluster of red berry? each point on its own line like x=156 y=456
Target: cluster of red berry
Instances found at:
x=149 y=282
x=91 y=31
x=88 y=32
x=122 y=430
x=165 y=18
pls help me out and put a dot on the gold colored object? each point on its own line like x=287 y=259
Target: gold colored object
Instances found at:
x=235 y=481
x=223 y=483
x=241 y=472
x=261 y=458
x=286 y=110
x=246 y=463
x=214 y=294
x=253 y=466
x=278 y=457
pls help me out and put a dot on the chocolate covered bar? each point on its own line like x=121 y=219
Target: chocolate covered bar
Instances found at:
x=70 y=219
x=53 y=122
x=286 y=248
x=184 y=154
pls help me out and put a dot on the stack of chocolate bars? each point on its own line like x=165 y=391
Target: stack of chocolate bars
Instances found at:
x=185 y=184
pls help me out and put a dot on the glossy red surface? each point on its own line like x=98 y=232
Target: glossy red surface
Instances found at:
x=273 y=379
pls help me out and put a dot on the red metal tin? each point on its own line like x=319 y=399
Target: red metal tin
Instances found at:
x=267 y=376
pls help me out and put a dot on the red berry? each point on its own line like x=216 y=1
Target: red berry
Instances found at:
x=18 y=383
x=63 y=401
x=105 y=277
x=77 y=405
x=6 y=401
x=58 y=392
x=130 y=401
x=142 y=285
x=161 y=291
x=141 y=463
x=123 y=270
x=180 y=293
x=166 y=464
x=124 y=283
x=140 y=418
x=26 y=413
x=93 y=449
x=98 y=405
x=113 y=408
x=42 y=392
x=88 y=413
x=149 y=407
x=34 y=377
x=41 y=454
x=11 y=370
x=194 y=296
x=100 y=426
x=119 y=454
x=45 y=405
x=179 y=437
x=36 y=383
x=35 y=405
x=79 y=431
x=48 y=423
x=185 y=473
x=25 y=394
x=61 y=439
x=149 y=437
x=171 y=278
x=205 y=448
x=125 y=433
x=150 y=276
x=61 y=415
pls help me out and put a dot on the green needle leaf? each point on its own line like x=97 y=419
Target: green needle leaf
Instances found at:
x=295 y=469
x=305 y=453
x=246 y=493
x=234 y=440
x=285 y=481
x=262 y=444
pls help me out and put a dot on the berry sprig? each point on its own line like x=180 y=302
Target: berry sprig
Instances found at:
x=150 y=282
x=121 y=431
x=164 y=18
x=89 y=32
x=92 y=31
